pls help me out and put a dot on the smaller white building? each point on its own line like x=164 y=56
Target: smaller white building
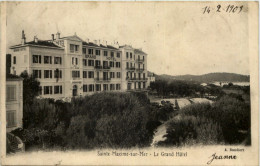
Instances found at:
x=14 y=102
x=151 y=78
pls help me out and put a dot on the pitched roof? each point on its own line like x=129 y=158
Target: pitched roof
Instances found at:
x=46 y=43
x=138 y=51
x=74 y=37
x=102 y=46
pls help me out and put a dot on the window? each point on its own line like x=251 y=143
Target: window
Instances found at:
x=91 y=74
x=143 y=66
x=130 y=55
x=144 y=85
x=84 y=74
x=47 y=73
x=105 y=64
x=90 y=62
x=105 y=53
x=47 y=90
x=105 y=87
x=126 y=55
x=71 y=48
x=85 y=88
x=84 y=50
x=143 y=57
x=97 y=62
x=118 y=86
x=127 y=65
x=57 y=60
x=57 y=73
x=74 y=61
x=90 y=51
x=37 y=73
x=77 y=48
x=47 y=60
x=14 y=60
x=112 y=74
x=11 y=118
x=11 y=93
x=118 y=64
x=84 y=62
x=98 y=87
x=91 y=87
x=112 y=54
x=144 y=75
x=112 y=64
x=118 y=54
x=112 y=86
x=118 y=74
x=58 y=89
x=75 y=74
x=36 y=58
x=74 y=48
x=97 y=52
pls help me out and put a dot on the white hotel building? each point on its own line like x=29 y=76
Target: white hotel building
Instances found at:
x=69 y=66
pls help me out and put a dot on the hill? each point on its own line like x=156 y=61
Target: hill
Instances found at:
x=211 y=77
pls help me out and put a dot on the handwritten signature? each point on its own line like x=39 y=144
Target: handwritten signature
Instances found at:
x=221 y=157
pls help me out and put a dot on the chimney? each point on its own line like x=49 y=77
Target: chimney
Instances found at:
x=95 y=41
x=87 y=40
x=117 y=44
x=35 y=39
x=98 y=42
x=52 y=37
x=106 y=43
x=58 y=35
x=23 y=38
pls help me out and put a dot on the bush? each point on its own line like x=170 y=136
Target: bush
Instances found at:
x=190 y=130
x=229 y=117
x=118 y=120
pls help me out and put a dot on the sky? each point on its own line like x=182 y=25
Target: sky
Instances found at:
x=178 y=38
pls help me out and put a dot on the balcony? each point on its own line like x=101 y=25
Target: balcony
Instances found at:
x=102 y=79
x=106 y=79
x=139 y=60
x=106 y=67
x=139 y=69
x=98 y=67
x=76 y=78
x=130 y=68
x=130 y=79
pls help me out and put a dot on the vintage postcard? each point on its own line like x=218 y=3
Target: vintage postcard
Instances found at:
x=129 y=83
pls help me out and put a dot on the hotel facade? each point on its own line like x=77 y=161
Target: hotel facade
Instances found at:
x=69 y=66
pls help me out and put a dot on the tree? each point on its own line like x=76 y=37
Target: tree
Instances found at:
x=31 y=87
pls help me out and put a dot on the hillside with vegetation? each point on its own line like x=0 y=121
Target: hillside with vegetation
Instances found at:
x=211 y=77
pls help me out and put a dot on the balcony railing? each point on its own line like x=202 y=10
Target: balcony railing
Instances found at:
x=106 y=67
x=106 y=79
x=139 y=69
x=76 y=78
x=102 y=79
x=139 y=60
x=130 y=68
x=98 y=67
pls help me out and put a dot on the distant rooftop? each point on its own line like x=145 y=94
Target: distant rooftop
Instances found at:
x=39 y=43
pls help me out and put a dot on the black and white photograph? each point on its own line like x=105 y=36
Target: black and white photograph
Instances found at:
x=129 y=83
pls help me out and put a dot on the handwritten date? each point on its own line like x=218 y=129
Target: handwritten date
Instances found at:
x=219 y=8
